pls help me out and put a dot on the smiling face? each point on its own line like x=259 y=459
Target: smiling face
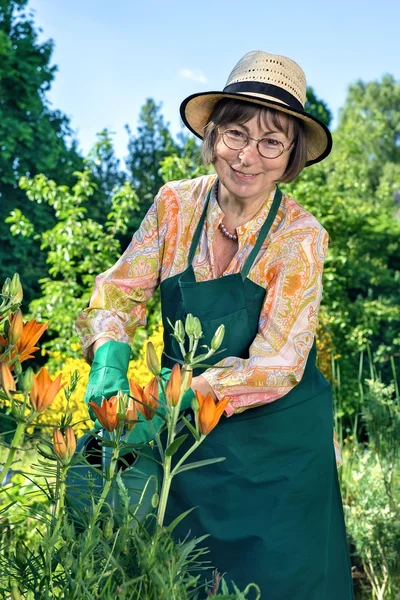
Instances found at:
x=245 y=175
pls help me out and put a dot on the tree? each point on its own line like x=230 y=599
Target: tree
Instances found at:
x=33 y=137
x=318 y=108
x=146 y=150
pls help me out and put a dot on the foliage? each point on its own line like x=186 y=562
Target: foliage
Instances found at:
x=371 y=486
x=34 y=137
x=317 y=107
x=146 y=150
x=82 y=542
x=73 y=264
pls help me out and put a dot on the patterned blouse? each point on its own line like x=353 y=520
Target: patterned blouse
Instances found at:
x=289 y=266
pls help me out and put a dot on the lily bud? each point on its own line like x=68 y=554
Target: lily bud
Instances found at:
x=16 y=327
x=6 y=379
x=180 y=332
x=195 y=404
x=197 y=331
x=64 y=445
x=189 y=324
x=109 y=528
x=153 y=364
x=6 y=287
x=218 y=337
x=16 y=290
x=190 y=377
x=17 y=368
x=173 y=390
x=25 y=380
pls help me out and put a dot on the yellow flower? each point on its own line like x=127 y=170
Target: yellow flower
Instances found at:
x=209 y=413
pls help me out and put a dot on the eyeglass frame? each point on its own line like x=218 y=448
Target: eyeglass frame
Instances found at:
x=258 y=140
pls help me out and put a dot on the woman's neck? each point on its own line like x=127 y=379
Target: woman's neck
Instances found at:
x=238 y=209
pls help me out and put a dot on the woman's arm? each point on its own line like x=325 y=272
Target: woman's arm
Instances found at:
x=118 y=303
x=287 y=324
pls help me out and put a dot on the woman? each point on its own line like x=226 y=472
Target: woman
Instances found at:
x=231 y=248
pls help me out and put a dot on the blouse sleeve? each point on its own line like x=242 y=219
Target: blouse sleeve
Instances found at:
x=287 y=324
x=118 y=303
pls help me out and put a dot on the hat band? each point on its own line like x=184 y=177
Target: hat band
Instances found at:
x=264 y=88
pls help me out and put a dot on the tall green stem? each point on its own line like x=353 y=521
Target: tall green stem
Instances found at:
x=16 y=441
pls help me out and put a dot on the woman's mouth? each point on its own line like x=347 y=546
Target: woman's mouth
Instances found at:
x=244 y=176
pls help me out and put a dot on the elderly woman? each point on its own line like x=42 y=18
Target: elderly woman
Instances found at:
x=232 y=248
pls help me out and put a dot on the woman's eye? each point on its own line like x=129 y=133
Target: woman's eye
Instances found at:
x=270 y=142
x=235 y=133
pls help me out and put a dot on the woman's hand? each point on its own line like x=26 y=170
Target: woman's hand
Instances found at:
x=201 y=384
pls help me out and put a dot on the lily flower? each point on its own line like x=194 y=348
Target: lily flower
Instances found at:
x=173 y=390
x=107 y=412
x=25 y=347
x=148 y=395
x=209 y=413
x=64 y=445
x=44 y=390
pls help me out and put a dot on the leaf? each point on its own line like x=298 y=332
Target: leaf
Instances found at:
x=200 y=463
x=173 y=447
x=192 y=429
x=178 y=519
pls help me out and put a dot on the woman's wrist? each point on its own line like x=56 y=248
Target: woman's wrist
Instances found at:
x=200 y=384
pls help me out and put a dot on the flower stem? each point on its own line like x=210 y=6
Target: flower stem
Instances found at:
x=17 y=439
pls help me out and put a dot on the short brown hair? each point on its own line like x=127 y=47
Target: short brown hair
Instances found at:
x=229 y=110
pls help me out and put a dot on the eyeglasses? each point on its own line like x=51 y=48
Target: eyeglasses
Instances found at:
x=267 y=147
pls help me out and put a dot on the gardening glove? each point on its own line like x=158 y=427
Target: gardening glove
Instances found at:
x=144 y=431
x=108 y=374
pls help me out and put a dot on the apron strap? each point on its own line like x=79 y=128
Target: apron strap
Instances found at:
x=261 y=237
x=263 y=233
x=199 y=228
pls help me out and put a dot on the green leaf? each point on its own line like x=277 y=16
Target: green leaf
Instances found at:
x=172 y=448
x=178 y=519
x=200 y=463
x=192 y=429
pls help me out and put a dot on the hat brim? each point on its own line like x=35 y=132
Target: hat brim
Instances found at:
x=196 y=110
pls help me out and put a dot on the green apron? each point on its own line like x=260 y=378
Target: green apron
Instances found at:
x=273 y=508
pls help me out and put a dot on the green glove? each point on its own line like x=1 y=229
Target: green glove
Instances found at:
x=144 y=431
x=108 y=374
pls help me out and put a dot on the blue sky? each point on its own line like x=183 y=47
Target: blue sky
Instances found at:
x=113 y=54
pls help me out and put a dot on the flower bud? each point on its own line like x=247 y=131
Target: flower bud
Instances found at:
x=179 y=332
x=108 y=528
x=197 y=331
x=16 y=327
x=25 y=380
x=189 y=324
x=155 y=499
x=6 y=287
x=173 y=389
x=64 y=445
x=189 y=372
x=153 y=364
x=6 y=379
x=16 y=290
x=17 y=368
x=218 y=337
x=195 y=404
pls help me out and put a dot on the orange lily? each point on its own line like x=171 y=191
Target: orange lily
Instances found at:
x=64 y=445
x=44 y=390
x=6 y=379
x=25 y=347
x=131 y=414
x=209 y=413
x=148 y=395
x=107 y=412
x=16 y=328
x=173 y=390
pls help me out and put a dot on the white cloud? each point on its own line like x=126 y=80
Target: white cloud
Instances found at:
x=193 y=74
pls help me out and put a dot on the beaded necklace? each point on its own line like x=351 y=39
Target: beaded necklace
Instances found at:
x=222 y=228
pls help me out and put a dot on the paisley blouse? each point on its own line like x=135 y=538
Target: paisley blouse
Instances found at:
x=289 y=266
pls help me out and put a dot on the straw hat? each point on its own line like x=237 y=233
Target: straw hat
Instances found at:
x=269 y=80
